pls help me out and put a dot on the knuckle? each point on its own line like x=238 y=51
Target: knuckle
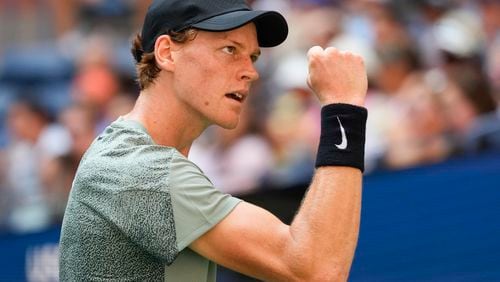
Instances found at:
x=314 y=51
x=350 y=55
x=332 y=51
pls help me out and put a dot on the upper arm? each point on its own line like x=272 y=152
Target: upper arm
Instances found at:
x=232 y=233
x=249 y=240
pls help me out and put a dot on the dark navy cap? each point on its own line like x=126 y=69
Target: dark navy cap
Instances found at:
x=164 y=16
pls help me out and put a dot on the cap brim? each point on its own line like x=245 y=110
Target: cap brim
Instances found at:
x=272 y=28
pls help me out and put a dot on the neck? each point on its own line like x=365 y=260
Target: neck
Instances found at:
x=166 y=119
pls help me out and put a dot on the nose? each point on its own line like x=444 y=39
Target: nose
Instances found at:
x=249 y=72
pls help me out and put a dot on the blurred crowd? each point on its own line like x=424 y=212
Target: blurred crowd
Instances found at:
x=66 y=72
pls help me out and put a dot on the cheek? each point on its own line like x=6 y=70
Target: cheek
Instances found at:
x=197 y=75
x=188 y=80
x=195 y=86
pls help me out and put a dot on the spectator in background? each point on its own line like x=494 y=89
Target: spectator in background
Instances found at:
x=293 y=130
x=35 y=142
x=392 y=59
x=419 y=131
x=429 y=13
x=80 y=121
x=471 y=111
x=313 y=26
x=396 y=65
x=29 y=22
x=387 y=25
x=96 y=83
x=292 y=125
x=490 y=15
x=112 y=17
x=235 y=160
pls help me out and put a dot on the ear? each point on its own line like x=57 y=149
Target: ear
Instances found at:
x=163 y=53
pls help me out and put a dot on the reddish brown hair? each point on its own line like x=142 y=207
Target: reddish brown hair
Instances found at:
x=147 y=69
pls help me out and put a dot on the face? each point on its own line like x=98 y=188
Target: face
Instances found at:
x=23 y=123
x=213 y=74
x=459 y=112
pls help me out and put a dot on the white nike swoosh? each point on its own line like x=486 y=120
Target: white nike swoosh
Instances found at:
x=343 y=144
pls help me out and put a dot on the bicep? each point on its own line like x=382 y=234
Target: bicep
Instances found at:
x=249 y=240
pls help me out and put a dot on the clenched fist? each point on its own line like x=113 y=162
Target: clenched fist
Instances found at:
x=337 y=77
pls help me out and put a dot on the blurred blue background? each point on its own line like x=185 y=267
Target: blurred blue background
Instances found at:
x=433 y=139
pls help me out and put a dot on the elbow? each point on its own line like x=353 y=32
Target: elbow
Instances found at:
x=321 y=275
x=332 y=274
x=315 y=269
x=304 y=261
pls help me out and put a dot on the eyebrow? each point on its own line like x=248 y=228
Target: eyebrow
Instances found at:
x=256 y=53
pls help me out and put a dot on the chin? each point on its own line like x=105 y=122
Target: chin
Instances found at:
x=228 y=124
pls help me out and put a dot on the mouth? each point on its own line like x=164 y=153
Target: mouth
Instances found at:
x=239 y=97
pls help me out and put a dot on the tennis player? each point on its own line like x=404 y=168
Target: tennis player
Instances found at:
x=139 y=210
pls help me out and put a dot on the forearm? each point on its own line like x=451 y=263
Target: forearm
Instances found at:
x=324 y=233
x=318 y=246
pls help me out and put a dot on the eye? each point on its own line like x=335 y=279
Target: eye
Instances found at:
x=229 y=49
x=254 y=58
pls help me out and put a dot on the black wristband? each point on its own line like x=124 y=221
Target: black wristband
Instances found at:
x=342 y=141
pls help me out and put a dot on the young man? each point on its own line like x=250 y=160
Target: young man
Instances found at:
x=139 y=210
